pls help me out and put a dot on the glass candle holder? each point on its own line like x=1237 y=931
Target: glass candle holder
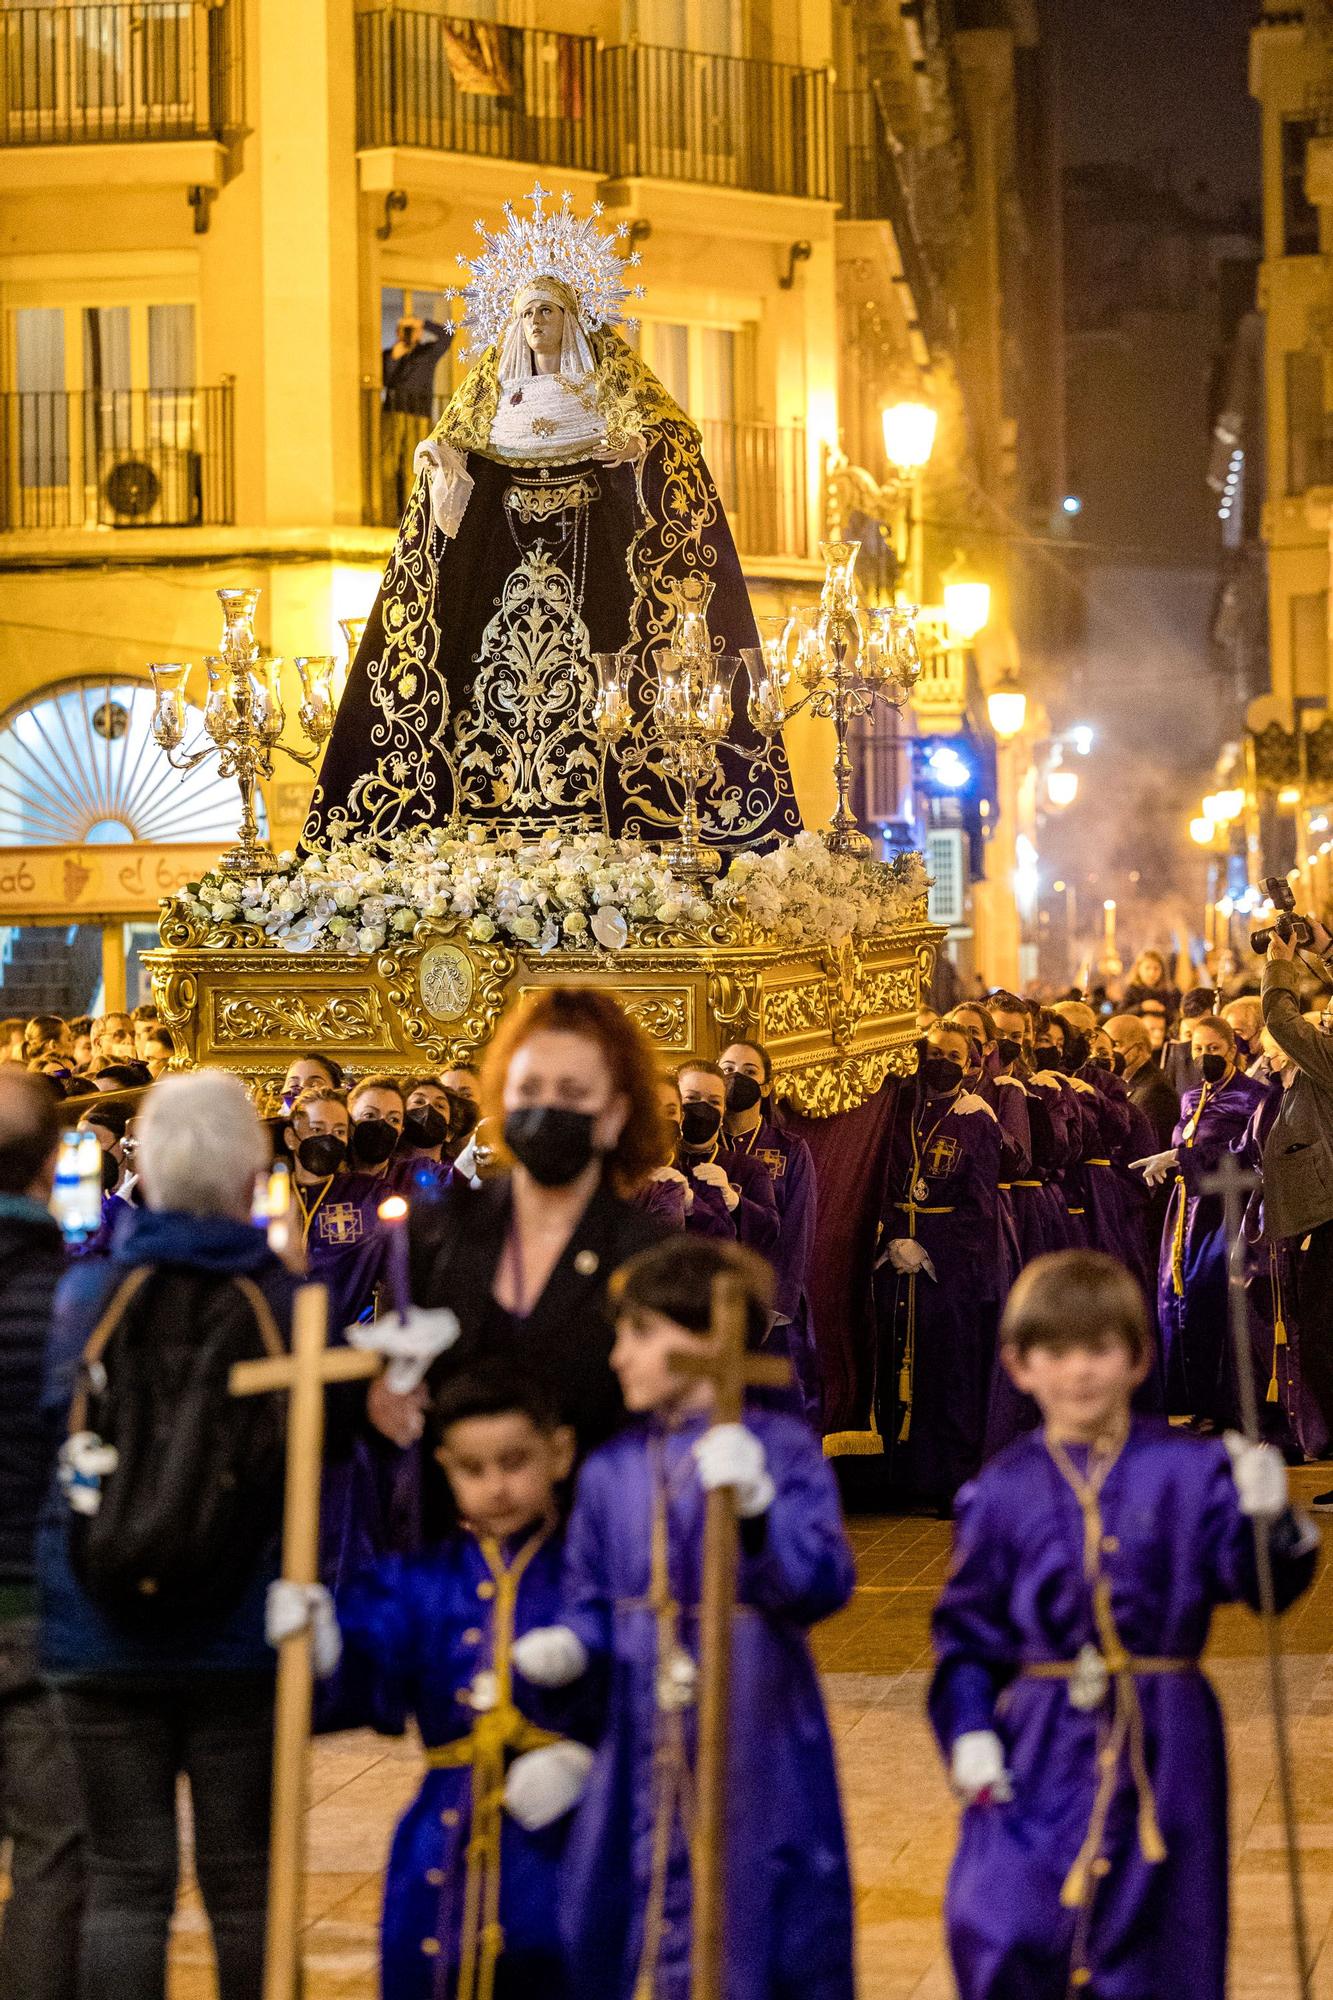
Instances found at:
x=219 y=706
x=315 y=671
x=611 y=709
x=170 y=680
x=239 y=644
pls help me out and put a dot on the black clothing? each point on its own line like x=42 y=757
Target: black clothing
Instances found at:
x=131 y=1739
x=1150 y=1090
x=32 y=1260
x=40 y=1816
x=409 y=379
x=565 y=1337
x=1136 y=993
x=1179 y=1067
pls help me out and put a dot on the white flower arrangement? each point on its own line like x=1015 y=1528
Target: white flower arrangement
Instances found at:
x=562 y=892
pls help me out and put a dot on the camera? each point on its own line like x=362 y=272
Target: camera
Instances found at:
x=1278 y=891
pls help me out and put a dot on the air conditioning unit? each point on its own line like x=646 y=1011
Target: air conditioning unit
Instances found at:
x=159 y=487
x=947 y=901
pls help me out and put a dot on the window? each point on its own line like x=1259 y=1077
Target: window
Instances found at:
x=1309 y=646
x=700 y=366
x=1306 y=451
x=1300 y=218
x=415 y=301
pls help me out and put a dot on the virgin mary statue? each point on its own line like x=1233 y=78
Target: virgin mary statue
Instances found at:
x=557 y=508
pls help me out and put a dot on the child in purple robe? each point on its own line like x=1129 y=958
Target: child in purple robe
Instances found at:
x=471 y=1889
x=1068 y=1700
x=633 y=1577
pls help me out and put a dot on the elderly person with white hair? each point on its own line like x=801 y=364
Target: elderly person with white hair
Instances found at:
x=163 y=1678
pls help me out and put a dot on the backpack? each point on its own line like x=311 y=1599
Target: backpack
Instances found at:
x=196 y=1493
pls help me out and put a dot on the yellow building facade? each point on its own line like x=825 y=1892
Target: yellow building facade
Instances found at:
x=212 y=214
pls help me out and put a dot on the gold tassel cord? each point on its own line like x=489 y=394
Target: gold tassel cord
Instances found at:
x=1279 y=1322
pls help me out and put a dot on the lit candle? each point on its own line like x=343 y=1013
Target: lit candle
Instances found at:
x=393 y=1214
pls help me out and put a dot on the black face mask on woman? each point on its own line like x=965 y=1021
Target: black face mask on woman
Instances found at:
x=743 y=1092
x=425 y=1127
x=321 y=1154
x=1008 y=1049
x=1213 y=1067
x=373 y=1140
x=700 y=1124
x=942 y=1074
x=554 y=1145
x=463 y=1116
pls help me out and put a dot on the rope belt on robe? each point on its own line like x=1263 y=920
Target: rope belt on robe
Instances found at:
x=1279 y=1320
x=1119 y=1669
x=673 y=1782
x=907 y=1368
x=1178 y=1234
x=499 y=1731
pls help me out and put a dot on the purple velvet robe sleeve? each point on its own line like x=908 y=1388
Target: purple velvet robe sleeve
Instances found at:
x=757 y=1221
x=976 y=1647
x=1010 y=1104
x=1223 y=1120
x=589 y=1591
x=1229 y=1553
x=791 y=1259
x=664 y=1200
x=795 y=1559
x=708 y=1213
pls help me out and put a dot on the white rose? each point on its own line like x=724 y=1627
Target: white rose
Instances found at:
x=370 y=937
x=346 y=898
x=403 y=920
x=575 y=924
x=481 y=929
x=526 y=928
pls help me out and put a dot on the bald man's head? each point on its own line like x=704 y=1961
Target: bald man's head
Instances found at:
x=29 y=1134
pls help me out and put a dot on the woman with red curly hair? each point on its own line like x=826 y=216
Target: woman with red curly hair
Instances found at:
x=571 y=1083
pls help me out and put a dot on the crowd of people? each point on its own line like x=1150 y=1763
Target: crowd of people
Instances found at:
x=511 y=1547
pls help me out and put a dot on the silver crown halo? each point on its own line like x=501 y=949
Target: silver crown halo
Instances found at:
x=558 y=244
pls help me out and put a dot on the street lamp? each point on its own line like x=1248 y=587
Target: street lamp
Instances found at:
x=1062 y=786
x=966 y=608
x=1202 y=830
x=909 y=435
x=1007 y=707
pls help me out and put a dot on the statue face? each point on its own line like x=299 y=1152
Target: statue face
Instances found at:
x=543 y=325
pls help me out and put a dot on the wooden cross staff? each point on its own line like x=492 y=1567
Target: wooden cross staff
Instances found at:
x=732 y=1371
x=304 y=1375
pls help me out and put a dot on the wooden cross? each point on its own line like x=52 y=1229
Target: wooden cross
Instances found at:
x=726 y=1364
x=303 y=1374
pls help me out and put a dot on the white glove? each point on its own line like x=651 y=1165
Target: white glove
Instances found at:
x=906 y=1255
x=543 y=1785
x=712 y=1175
x=466 y=1164
x=550 y=1656
x=84 y=1463
x=1156 y=1167
x=977 y=1769
x=409 y=1345
x=730 y=1455
x=290 y=1607
x=1260 y=1475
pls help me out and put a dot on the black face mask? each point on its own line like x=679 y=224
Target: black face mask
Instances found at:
x=1008 y=1049
x=111 y=1172
x=463 y=1116
x=942 y=1074
x=373 y=1140
x=1102 y=1062
x=321 y=1154
x=555 y=1145
x=743 y=1093
x=425 y=1127
x=1048 y=1056
x=1076 y=1053
x=1118 y=1062
x=1213 y=1068
x=700 y=1124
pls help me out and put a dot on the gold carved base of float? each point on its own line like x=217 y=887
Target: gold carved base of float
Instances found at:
x=837 y=1021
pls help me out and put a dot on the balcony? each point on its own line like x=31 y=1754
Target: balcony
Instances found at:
x=128 y=458
x=456 y=85
x=873 y=187
x=760 y=471
x=120 y=70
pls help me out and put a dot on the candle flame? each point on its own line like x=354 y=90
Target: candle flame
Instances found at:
x=392 y=1210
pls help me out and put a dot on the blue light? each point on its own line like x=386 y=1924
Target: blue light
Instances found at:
x=1071 y=504
x=948 y=769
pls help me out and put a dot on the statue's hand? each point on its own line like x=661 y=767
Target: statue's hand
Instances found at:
x=628 y=452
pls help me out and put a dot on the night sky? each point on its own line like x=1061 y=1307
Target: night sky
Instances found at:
x=1163 y=79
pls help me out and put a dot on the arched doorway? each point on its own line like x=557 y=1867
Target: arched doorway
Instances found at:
x=95 y=827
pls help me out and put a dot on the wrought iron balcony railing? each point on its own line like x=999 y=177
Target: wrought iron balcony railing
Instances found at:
x=122 y=458
x=459 y=85
x=118 y=70
x=872 y=187
x=761 y=472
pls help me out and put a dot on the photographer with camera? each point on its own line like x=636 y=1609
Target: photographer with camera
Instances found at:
x=1298 y=1155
